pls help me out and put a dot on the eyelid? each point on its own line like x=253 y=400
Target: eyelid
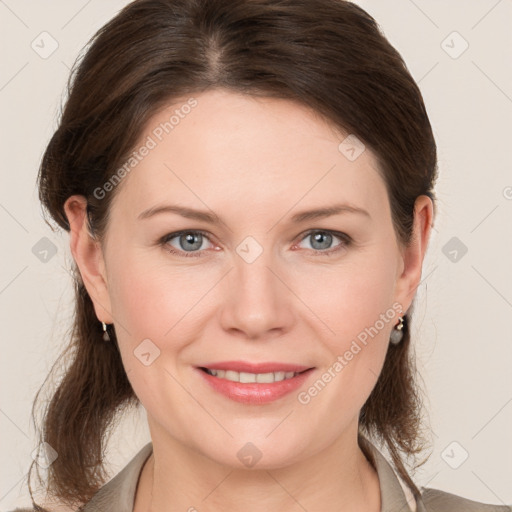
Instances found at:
x=164 y=241
x=345 y=238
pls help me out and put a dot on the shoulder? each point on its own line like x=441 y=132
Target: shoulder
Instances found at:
x=435 y=500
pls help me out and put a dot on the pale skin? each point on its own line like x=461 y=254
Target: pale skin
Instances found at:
x=254 y=163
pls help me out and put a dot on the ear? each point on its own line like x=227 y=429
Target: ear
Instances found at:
x=409 y=275
x=88 y=255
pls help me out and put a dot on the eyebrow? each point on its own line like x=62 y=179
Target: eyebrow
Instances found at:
x=212 y=218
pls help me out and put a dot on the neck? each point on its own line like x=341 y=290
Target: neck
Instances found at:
x=177 y=478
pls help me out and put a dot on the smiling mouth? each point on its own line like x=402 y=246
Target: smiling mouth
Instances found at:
x=250 y=378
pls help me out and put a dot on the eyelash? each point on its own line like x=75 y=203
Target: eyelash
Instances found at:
x=164 y=242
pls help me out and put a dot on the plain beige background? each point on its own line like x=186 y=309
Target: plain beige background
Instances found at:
x=461 y=55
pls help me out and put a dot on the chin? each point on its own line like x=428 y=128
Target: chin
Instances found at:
x=258 y=451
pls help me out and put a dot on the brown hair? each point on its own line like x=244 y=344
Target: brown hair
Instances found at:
x=329 y=55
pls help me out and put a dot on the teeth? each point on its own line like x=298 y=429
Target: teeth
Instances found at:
x=278 y=376
x=231 y=375
x=246 y=377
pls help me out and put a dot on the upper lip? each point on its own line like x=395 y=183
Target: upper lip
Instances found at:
x=265 y=367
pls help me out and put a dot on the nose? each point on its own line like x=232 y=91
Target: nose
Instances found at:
x=258 y=304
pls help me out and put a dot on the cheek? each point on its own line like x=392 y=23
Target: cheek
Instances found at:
x=153 y=300
x=138 y=303
x=150 y=296
x=351 y=297
x=149 y=303
x=355 y=305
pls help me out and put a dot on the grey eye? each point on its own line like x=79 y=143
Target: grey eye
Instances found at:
x=189 y=242
x=320 y=240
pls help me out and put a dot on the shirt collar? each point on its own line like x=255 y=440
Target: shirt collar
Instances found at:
x=392 y=496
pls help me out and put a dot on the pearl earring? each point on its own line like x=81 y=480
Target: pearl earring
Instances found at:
x=106 y=336
x=397 y=332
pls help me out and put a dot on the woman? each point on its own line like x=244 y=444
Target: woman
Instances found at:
x=248 y=188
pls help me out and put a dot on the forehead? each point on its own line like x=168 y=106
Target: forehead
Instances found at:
x=226 y=150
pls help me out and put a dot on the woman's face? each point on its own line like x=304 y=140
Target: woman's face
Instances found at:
x=252 y=279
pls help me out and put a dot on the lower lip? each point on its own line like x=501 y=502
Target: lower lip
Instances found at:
x=255 y=393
